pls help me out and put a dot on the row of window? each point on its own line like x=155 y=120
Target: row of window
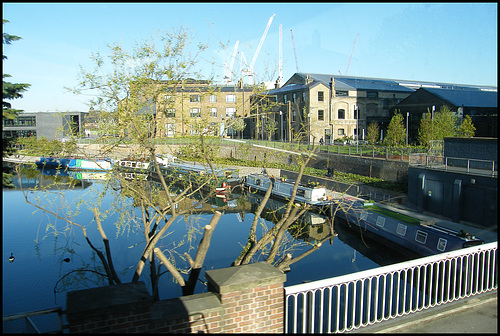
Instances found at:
x=195 y=112
x=196 y=98
x=420 y=236
x=19 y=121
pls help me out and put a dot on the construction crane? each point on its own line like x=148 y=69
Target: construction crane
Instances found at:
x=294 y=52
x=280 y=63
x=249 y=70
x=228 y=71
x=349 y=63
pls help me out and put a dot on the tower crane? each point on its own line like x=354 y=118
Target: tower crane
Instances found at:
x=349 y=63
x=354 y=46
x=249 y=71
x=228 y=72
x=294 y=51
x=280 y=64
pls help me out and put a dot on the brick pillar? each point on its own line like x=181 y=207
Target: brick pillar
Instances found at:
x=252 y=297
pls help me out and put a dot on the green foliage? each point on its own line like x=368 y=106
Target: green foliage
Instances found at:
x=372 y=133
x=467 y=129
x=445 y=124
x=396 y=131
x=9 y=91
x=425 y=133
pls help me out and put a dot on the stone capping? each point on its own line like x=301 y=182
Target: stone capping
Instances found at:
x=183 y=306
x=243 y=277
x=105 y=298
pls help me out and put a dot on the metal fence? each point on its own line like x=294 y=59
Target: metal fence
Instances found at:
x=349 y=302
x=452 y=164
x=26 y=323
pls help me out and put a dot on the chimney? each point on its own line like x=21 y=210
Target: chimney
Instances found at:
x=308 y=79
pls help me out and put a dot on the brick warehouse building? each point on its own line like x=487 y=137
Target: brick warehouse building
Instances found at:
x=334 y=106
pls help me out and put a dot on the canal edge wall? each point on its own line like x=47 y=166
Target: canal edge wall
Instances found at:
x=241 y=299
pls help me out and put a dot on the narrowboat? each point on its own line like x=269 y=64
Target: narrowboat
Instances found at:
x=130 y=164
x=423 y=237
x=52 y=162
x=198 y=175
x=317 y=196
x=87 y=164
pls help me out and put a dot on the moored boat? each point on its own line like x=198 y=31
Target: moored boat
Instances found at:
x=53 y=162
x=313 y=194
x=199 y=175
x=423 y=237
x=87 y=164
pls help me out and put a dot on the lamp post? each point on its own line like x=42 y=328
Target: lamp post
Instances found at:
x=407 y=118
x=262 y=127
x=356 y=111
x=281 y=117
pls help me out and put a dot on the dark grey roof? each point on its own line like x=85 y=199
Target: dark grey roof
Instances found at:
x=465 y=97
x=343 y=82
x=288 y=88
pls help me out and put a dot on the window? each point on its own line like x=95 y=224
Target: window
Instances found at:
x=294 y=115
x=380 y=221
x=321 y=114
x=372 y=94
x=442 y=244
x=284 y=99
x=169 y=129
x=169 y=99
x=195 y=112
x=364 y=215
x=230 y=98
x=213 y=98
x=421 y=237
x=341 y=131
x=304 y=96
x=213 y=112
x=230 y=112
x=401 y=229
x=20 y=121
x=194 y=98
x=170 y=113
x=321 y=96
x=341 y=114
x=357 y=112
x=294 y=98
x=339 y=93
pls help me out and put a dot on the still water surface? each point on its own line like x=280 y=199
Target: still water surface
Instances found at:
x=31 y=281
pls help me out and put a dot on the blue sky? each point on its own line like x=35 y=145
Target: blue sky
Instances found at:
x=442 y=42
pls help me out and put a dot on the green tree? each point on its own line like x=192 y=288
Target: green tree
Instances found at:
x=425 y=130
x=445 y=123
x=127 y=85
x=10 y=91
x=372 y=133
x=239 y=126
x=396 y=131
x=467 y=129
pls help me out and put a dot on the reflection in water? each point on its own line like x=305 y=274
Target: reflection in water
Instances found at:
x=30 y=282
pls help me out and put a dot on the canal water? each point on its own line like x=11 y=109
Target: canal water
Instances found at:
x=48 y=253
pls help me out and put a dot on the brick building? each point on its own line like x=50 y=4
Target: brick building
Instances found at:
x=334 y=106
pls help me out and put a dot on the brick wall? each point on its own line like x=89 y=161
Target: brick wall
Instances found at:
x=243 y=299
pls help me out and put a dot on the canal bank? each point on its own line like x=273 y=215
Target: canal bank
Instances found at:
x=476 y=314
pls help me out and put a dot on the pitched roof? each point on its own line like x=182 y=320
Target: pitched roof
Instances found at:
x=465 y=97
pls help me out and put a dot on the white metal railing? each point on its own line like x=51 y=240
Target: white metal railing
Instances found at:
x=469 y=166
x=357 y=300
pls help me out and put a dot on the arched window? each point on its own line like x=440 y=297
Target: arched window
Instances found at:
x=341 y=114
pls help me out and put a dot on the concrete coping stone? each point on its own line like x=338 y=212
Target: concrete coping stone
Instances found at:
x=237 y=278
x=105 y=298
x=183 y=306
